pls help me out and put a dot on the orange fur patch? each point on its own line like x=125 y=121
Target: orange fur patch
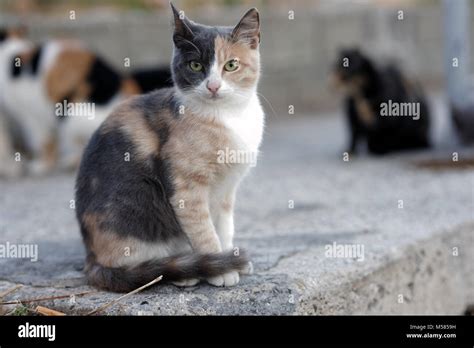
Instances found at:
x=69 y=71
x=193 y=145
x=108 y=248
x=130 y=87
x=364 y=111
x=248 y=72
x=133 y=124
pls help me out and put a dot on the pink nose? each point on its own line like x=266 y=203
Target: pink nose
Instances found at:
x=213 y=86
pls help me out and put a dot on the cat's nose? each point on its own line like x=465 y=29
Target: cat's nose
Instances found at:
x=213 y=86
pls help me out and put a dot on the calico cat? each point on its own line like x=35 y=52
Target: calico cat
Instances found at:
x=105 y=87
x=152 y=196
x=34 y=79
x=12 y=45
x=373 y=90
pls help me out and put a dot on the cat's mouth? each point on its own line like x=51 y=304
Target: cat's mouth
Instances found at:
x=215 y=96
x=212 y=97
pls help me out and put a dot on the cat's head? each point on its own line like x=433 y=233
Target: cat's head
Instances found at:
x=216 y=66
x=12 y=43
x=351 y=69
x=15 y=32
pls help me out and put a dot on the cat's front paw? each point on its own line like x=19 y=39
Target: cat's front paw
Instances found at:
x=227 y=279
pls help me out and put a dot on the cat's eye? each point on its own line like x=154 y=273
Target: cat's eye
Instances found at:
x=231 y=65
x=195 y=66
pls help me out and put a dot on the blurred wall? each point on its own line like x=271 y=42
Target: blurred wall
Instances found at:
x=296 y=54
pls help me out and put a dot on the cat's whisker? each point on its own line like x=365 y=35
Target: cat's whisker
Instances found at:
x=269 y=104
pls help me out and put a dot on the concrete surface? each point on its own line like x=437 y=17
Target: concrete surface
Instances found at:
x=410 y=263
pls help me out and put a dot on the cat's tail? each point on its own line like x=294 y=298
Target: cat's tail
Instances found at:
x=173 y=268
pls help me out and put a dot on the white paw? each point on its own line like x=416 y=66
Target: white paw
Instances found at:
x=186 y=282
x=248 y=269
x=227 y=279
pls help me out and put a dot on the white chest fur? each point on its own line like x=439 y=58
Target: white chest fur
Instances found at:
x=246 y=125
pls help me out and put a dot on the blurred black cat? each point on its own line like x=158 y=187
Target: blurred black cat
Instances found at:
x=381 y=105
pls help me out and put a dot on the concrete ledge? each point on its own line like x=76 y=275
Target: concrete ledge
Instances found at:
x=301 y=198
x=427 y=275
x=419 y=277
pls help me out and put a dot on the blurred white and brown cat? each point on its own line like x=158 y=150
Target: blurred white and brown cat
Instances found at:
x=54 y=96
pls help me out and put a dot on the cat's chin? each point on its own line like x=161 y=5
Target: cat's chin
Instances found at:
x=214 y=98
x=212 y=106
x=214 y=101
x=209 y=98
x=222 y=102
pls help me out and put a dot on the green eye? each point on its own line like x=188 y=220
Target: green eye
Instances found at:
x=195 y=66
x=231 y=65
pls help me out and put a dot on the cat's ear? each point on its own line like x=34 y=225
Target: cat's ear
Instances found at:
x=182 y=30
x=248 y=29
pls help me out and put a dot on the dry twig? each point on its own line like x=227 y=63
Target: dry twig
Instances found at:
x=47 y=298
x=7 y=292
x=48 y=312
x=111 y=303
